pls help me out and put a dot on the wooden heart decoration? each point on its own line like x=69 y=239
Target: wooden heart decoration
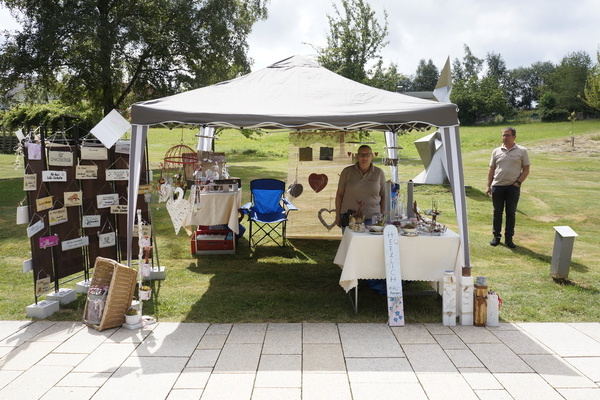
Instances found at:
x=295 y=189
x=325 y=224
x=317 y=181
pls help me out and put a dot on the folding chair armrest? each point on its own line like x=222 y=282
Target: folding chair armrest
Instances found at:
x=289 y=205
x=245 y=208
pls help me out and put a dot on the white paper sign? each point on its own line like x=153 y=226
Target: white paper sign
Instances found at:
x=107 y=239
x=54 y=176
x=107 y=200
x=75 y=243
x=35 y=228
x=86 y=172
x=111 y=128
x=117 y=174
x=60 y=158
x=90 y=221
x=94 y=153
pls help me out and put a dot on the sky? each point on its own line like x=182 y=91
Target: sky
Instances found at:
x=521 y=31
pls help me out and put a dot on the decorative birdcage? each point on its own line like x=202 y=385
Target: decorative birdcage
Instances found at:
x=180 y=160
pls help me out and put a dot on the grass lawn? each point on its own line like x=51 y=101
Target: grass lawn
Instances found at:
x=300 y=283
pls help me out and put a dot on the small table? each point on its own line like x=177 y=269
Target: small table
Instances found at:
x=422 y=257
x=216 y=208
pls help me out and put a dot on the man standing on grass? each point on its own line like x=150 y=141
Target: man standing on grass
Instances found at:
x=509 y=167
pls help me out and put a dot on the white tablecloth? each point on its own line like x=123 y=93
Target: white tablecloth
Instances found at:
x=422 y=258
x=218 y=209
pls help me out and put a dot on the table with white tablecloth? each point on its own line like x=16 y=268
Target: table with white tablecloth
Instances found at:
x=218 y=208
x=422 y=257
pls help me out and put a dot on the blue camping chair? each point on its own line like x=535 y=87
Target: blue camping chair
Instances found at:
x=267 y=212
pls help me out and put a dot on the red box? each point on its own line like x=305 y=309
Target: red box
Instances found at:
x=213 y=241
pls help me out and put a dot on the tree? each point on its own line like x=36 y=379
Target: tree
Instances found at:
x=426 y=77
x=385 y=78
x=478 y=97
x=112 y=53
x=592 y=86
x=567 y=81
x=355 y=38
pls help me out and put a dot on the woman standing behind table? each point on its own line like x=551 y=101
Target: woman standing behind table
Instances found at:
x=361 y=183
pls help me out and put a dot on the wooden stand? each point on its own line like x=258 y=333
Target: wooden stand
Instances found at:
x=481 y=294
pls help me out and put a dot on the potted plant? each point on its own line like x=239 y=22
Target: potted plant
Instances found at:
x=132 y=316
x=145 y=292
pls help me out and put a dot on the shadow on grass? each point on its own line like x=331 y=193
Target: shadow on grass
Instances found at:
x=298 y=283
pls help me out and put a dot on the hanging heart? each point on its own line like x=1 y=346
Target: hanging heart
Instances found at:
x=325 y=224
x=295 y=189
x=317 y=181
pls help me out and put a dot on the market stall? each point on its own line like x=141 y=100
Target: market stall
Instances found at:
x=297 y=94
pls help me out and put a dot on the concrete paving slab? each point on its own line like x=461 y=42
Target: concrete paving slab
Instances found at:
x=450 y=342
x=9 y=328
x=464 y=359
x=108 y=357
x=498 y=357
x=283 y=339
x=247 y=333
x=69 y=393
x=411 y=334
x=369 y=340
x=558 y=372
x=446 y=386
x=428 y=358
x=588 y=366
x=27 y=355
x=580 y=394
x=333 y=386
x=380 y=370
x=172 y=340
x=229 y=386
x=261 y=393
x=283 y=371
x=389 y=390
x=211 y=342
x=85 y=379
x=239 y=358
x=480 y=379
x=185 y=394
x=324 y=358
x=493 y=395
x=320 y=333
x=34 y=383
x=564 y=339
x=204 y=358
x=140 y=377
x=521 y=342
x=529 y=386
x=193 y=378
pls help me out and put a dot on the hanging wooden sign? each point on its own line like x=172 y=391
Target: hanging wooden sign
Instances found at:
x=117 y=174
x=43 y=203
x=73 y=199
x=86 y=172
x=75 y=243
x=143 y=189
x=317 y=181
x=34 y=151
x=42 y=286
x=90 y=221
x=108 y=239
x=60 y=158
x=29 y=182
x=122 y=147
x=107 y=200
x=118 y=209
x=54 y=176
x=58 y=216
x=94 y=153
x=146 y=230
x=48 y=241
x=35 y=228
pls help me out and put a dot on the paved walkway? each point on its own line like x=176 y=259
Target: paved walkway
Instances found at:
x=68 y=360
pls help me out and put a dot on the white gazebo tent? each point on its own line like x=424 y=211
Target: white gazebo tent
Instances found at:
x=298 y=94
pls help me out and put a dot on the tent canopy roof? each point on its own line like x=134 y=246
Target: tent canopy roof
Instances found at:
x=295 y=93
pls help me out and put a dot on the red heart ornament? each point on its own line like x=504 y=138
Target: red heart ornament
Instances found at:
x=317 y=181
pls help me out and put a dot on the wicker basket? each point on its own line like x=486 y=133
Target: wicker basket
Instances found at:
x=121 y=281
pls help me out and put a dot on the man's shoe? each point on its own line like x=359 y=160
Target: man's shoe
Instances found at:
x=495 y=241
x=510 y=243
